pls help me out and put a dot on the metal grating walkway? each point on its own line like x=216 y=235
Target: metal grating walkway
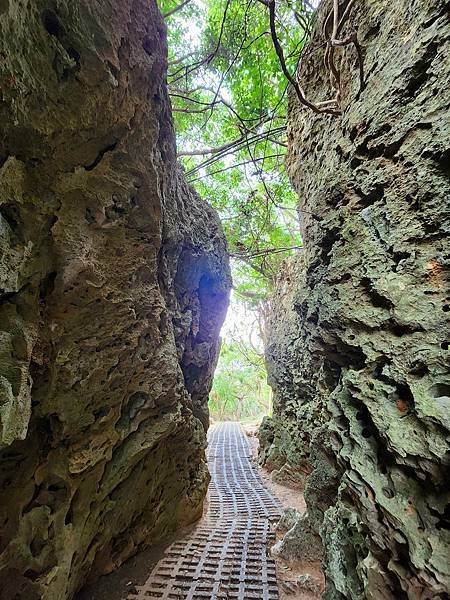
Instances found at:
x=227 y=555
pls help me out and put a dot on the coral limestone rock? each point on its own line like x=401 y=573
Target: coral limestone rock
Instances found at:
x=114 y=283
x=365 y=382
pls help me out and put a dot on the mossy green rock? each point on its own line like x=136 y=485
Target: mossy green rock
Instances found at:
x=114 y=282
x=362 y=391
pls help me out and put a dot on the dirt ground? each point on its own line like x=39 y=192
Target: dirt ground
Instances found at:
x=287 y=496
x=289 y=572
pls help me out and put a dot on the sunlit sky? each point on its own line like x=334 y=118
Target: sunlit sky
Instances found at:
x=240 y=324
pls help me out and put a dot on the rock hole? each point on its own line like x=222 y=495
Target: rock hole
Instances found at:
x=399 y=256
x=101 y=412
x=353 y=134
x=147 y=45
x=439 y=390
x=373 y=31
x=47 y=285
x=51 y=22
x=388 y=492
x=400 y=329
x=31 y=575
x=9 y=213
x=74 y=54
x=54 y=487
x=355 y=162
x=100 y=155
x=419 y=369
x=404 y=396
x=377 y=299
x=444 y=521
x=419 y=73
x=330 y=237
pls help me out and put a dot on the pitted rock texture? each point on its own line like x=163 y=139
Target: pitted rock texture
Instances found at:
x=362 y=395
x=284 y=449
x=114 y=283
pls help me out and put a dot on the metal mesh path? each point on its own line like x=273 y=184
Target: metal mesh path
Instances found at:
x=227 y=555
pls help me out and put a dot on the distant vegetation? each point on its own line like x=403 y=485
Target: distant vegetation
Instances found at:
x=240 y=391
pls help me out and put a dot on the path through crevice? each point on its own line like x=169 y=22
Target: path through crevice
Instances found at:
x=228 y=554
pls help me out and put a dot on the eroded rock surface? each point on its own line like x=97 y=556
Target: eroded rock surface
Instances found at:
x=113 y=285
x=362 y=391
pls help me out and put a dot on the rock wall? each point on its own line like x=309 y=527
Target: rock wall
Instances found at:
x=114 y=283
x=283 y=446
x=362 y=389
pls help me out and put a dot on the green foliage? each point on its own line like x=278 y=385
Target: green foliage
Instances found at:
x=229 y=103
x=229 y=95
x=240 y=391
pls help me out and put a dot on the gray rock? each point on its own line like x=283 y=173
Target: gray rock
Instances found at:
x=307 y=582
x=301 y=542
x=288 y=519
x=114 y=282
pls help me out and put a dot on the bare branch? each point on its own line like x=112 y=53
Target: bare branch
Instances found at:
x=206 y=151
x=248 y=255
x=176 y=9
x=279 y=50
x=240 y=164
x=229 y=148
x=177 y=61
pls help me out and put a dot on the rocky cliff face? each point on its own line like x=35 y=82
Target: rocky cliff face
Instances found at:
x=113 y=285
x=362 y=393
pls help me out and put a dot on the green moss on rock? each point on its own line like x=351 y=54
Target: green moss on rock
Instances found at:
x=362 y=383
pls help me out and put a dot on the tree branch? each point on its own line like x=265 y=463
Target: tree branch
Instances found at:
x=240 y=164
x=229 y=148
x=176 y=9
x=279 y=51
x=206 y=151
x=256 y=254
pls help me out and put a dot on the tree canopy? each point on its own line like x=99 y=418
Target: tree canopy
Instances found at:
x=228 y=88
x=229 y=100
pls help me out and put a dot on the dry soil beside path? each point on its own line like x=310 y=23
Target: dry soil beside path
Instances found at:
x=288 y=571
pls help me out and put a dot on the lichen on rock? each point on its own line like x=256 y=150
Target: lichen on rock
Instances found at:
x=114 y=283
x=361 y=398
